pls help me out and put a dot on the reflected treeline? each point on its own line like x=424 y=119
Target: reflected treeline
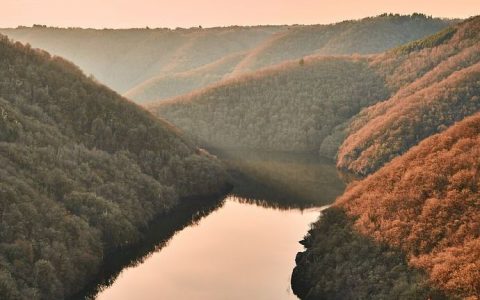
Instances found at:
x=268 y=179
x=282 y=179
x=157 y=236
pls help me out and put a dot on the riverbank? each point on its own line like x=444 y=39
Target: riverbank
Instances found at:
x=162 y=228
x=340 y=263
x=242 y=250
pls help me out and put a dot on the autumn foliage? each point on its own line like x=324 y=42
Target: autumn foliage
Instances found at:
x=427 y=204
x=437 y=83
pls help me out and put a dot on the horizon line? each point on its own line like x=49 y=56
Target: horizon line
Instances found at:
x=47 y=26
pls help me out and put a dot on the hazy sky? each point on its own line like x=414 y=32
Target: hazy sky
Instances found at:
x=208 y=13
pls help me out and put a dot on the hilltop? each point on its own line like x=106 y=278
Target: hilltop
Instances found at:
x=125 y=58
x=437 y=84
x=365 y=36
x=152 y=64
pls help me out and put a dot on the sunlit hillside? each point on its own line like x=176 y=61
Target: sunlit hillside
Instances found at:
x=170 y=85
x=421 y=209
x=437 y=82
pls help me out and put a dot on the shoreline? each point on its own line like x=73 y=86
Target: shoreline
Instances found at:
x=159 y=231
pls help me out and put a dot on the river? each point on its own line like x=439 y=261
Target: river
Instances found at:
x=244 y=247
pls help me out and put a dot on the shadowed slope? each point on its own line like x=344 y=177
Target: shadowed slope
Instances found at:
x=84 y=171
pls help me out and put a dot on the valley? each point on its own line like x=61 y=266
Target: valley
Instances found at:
x=245 y=226
x=335 y=161
x=152 y=64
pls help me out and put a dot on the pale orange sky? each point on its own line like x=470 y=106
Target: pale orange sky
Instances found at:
x=208 y=13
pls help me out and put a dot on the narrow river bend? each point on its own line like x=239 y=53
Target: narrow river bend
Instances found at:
x=245 y=248
x=240 y=251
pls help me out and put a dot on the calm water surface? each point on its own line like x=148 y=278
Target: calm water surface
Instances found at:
x=243 y=249
x=240 y=251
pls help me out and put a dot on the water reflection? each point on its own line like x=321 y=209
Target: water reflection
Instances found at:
x=283 y=180
x=241 y=251
x=157 y=237
x=244 y=249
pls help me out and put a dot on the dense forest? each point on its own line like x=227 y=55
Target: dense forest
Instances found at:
x=290 y=107
x=341 y=263
x=151 y=64
x=83 y=172
x=424 y=203
x=123 y=58
x=170 y=85
x=320 y=103
x=366 y=36
x=438 y=83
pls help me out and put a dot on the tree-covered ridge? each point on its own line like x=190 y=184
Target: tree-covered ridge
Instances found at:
x=171 y=85
x=290 y=107
x=426 y=203
x=403 y=68
x=125 y=58
x=414 y=118
x=153 y=64
x=365 y=36
x=340 y=263
x=83 y=172
x=445 y=91
x=430 y=42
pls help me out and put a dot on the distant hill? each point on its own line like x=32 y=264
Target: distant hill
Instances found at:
x=413 y=223
x=167 y=86
x=365 y=36
x=83 y=173
x=437 y=82
x=418 y=89
x=125 y=58
x=306 y=104
x=289 y=107
x=152 y=64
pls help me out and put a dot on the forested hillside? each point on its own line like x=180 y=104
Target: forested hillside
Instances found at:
x=83 y=172
x=123 y=58
x=438 y=83
x=424 y=204
x=171 y=85
x=366 y=36
x=152 y=64
x=290 y=107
